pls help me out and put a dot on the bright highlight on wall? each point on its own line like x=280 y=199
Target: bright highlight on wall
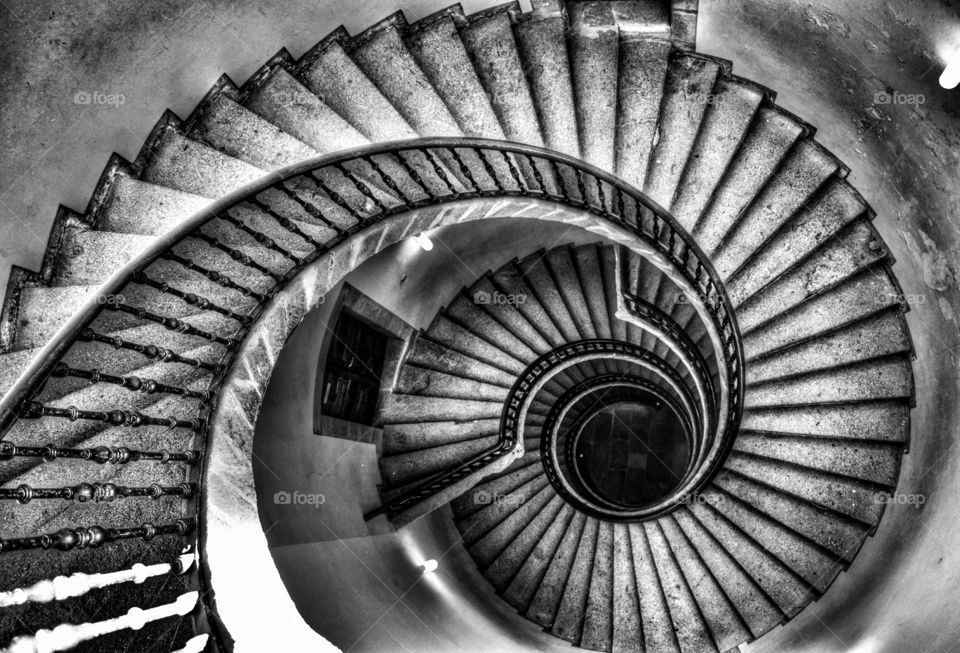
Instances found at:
x=950 y=77
x=424 y=241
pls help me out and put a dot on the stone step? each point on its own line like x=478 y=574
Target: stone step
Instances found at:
x=593 y=46
x=692 y=631
x=627 y=629
x=139 y=207
x=770 y=139
x=876 y=462
x=489 y=40
x=589 y=271
x=818 y=221
x=505 y=309
x=62 y=432
x=440 y=53
x=566 y=277
x=451 y=335
x=544 y=289
x=641 y=75
x=88 y=257
x=426 y=353
x=523 y=471
x=542 y=46
x=383 y=57
x=886 y=378
x=416 y=380
x=504 y=569
x=332 y=75
x=407 y=438
x=802 y=174
x=523 y=586
x=598 y=614
x=838 y=534
x=609 y=273
x=815 y=566
x=186 y=165
x=406 y=409
x=568 y=623
x=723 y=622
x=688 y=92
x=546 y=600
x=285 y=102
x=401 y=469
x=776 y=580
x=840 y=494
x=756 y=610
x=879 y=335
x=855 y=249
x=880 y=420
x=488 y=548
x=498 y=507
x=470 y=314
x=659 y=633
x=731 y=109
x=231 y=128
x=510 y=281
x=122 y=362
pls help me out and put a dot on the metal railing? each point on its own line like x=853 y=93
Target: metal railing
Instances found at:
x=297 y=215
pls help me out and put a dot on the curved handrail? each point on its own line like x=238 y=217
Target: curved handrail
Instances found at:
x=578 y=185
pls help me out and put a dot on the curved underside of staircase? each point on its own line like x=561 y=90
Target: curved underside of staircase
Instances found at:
x=816 y=315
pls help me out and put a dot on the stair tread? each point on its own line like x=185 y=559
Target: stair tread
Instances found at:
x=688 y=91
x=492 y=47
x=729 y=115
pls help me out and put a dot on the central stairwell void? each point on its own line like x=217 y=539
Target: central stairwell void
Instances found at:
x=671 y=433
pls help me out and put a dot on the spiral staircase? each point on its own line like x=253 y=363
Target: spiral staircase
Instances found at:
x=739 y=292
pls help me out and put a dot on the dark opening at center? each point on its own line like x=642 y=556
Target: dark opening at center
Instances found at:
x=632 y=453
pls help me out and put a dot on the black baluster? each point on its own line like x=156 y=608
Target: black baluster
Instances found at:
x=133 y=383
x=150 y=351
x=581 y=187
x=488 y=168
x=100 y=455
x=190 y=298
x=217 y=277
x=173 y=324
x=262 y=239
x=601 y=195
x=562 y=191
x=309 y=207
x=516 y=175
x=465 y=171
x=83 y=537
x=35 y=409
x=440 y=170
x=361 y=187
x=413 y=173
x=97 y=492
x=389 y=181
x=236 y=255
